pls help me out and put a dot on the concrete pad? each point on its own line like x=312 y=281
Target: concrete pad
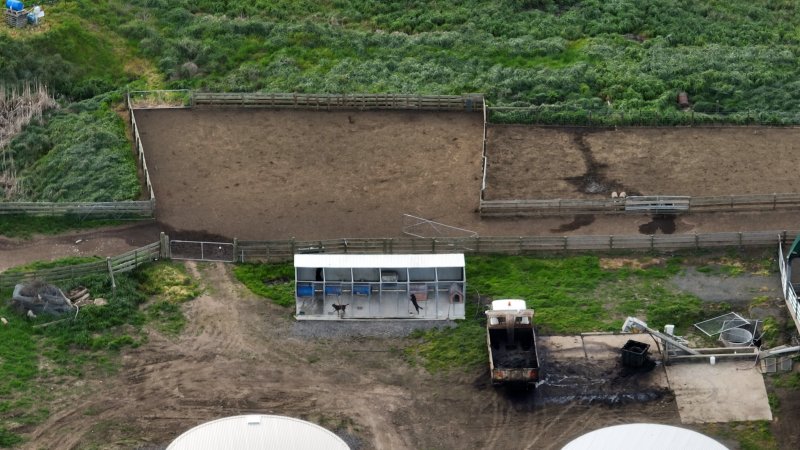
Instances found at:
x=608 y=346
x=562 y=347
x=725 y=392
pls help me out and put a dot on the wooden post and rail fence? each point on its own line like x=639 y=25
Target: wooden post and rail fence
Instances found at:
x=284 y=250
x=639 y=204
x=281 y=251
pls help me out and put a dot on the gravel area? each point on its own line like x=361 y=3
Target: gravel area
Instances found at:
x=321 y=329
x=720 y=288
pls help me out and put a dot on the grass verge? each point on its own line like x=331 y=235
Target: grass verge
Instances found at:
x=570 y=295
x=273 y=281
x=170 y=285
x=23 y=226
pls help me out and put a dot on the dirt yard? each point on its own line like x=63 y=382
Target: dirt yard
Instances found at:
x=259 y=173
x=542 y=163
x=240 y=355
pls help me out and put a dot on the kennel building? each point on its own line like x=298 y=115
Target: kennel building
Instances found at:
x=350 y=286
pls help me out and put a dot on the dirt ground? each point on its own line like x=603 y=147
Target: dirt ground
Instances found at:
x=542 y=163
x=235 y=357
x=261 y=174
x=109 y=241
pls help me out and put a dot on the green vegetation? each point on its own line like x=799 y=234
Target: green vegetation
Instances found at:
x=62 y=262
x=750 y=435
x=569 y=294
x=171 y=286
x=23 y=226
x=75 y=154
x=622 y=61
x=787 y=381
x=635 y=55
x=273 y=281
x=86 y=345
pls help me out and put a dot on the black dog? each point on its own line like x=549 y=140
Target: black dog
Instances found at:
x=414 y=302
x=340 y=309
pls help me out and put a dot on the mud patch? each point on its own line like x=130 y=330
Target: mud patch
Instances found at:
x=619 y=263
x=579 y=221
x=660 y=222
x=598 y=382
x=594 y=180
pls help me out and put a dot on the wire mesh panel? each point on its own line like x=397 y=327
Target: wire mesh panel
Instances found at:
x=201 y=250
x=721 y=323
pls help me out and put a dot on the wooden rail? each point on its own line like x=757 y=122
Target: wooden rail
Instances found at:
x=559 y=207
x=269 y=251
x=139 y=149
x=117 y=264
x=137 y=209
x=469 y=103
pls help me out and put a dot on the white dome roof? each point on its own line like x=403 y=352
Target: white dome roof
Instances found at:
x=640 y=436
x=262 y=432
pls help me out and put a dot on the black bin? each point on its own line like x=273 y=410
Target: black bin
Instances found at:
x=634 y=353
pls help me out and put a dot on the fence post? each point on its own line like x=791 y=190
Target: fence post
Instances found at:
x=565 y=242
x=111 y=274
x=611 y=242
x=696 y=241
x=783 y=238
x=652 y=242
x=433 y=245
x=740 y=239
x=235 y=248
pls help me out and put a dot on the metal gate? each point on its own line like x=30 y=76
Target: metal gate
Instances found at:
x=201 y=250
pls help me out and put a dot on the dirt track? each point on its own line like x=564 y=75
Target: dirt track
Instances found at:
x=235 y=358
x=261 y=174
x=277 y=174
x=541 y=163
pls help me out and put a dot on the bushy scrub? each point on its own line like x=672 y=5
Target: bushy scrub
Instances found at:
x=631 y=56
x=79 y=153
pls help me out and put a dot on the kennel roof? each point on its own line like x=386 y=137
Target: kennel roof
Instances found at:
x=258 y=432
x=380 y=261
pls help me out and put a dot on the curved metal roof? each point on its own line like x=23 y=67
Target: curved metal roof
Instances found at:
x=258 y=432
x=638 y=436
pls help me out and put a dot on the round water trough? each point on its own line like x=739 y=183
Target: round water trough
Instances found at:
x=258 y=432
x=640 y=436
x=736 y=337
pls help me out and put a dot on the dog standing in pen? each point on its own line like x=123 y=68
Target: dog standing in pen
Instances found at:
x=414 y=302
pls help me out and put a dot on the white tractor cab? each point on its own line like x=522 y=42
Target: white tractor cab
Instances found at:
x=513 y=307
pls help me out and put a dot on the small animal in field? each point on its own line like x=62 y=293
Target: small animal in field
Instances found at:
x=340 y=309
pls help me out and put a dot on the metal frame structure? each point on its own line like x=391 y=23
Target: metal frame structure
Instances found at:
x=359 y=286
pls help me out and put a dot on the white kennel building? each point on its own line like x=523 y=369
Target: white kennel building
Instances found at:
x=379 y=286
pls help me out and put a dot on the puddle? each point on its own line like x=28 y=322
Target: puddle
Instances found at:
x=663 y=222
x=578 y=222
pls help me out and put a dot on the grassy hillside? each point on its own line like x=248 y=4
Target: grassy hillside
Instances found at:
x=630 y=56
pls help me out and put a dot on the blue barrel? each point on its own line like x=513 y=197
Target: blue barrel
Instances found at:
x=14 y=5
